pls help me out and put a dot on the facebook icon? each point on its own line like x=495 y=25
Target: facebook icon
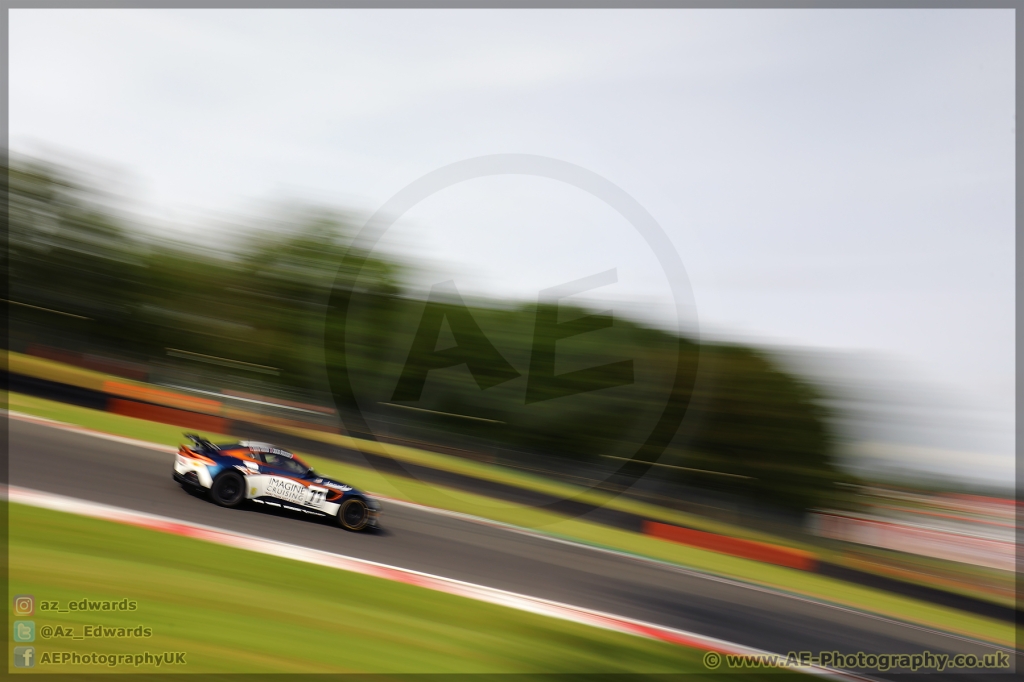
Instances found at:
x=24 y=656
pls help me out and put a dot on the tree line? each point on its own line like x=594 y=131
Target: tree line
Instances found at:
x=279 y=294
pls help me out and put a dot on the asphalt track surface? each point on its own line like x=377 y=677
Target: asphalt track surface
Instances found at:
x=139 y=478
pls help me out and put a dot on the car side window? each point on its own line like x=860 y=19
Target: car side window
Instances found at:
x=283 y=463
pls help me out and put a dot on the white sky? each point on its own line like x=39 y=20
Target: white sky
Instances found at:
x=832 y=179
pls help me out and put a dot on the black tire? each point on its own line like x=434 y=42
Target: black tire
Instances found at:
x=353 y=514
x=228 y=489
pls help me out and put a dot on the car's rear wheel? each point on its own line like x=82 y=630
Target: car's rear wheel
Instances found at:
x=353 y=514
x=228 y=489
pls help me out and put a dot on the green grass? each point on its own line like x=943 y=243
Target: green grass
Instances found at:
x=97 y=420
x=236 y=611
x=797 y=582
x=42 y=368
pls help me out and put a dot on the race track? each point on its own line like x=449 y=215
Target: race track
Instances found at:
x=139 y=478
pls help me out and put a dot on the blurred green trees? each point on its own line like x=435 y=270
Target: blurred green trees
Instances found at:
x=83 y=277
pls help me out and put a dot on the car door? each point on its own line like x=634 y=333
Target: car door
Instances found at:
x=286 y=481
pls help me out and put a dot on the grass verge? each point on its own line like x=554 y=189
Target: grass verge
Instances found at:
x=237 y=611
x=797 y=582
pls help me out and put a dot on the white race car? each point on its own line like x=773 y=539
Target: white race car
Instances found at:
x=264 y=474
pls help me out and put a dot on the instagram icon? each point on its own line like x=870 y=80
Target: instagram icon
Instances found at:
x=24 y=605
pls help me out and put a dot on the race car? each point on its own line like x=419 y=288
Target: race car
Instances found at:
x=268 y=475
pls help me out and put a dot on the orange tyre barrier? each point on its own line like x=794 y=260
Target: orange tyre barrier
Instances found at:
x=168 y=415
x=162 y=397
x=747 y=549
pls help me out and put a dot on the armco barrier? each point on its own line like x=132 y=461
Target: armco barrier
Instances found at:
x=747 y=549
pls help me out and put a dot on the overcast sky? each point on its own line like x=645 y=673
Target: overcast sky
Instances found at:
x=831 y=179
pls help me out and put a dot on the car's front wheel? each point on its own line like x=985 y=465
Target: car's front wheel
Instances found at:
x=353 y=514
x=228 y=489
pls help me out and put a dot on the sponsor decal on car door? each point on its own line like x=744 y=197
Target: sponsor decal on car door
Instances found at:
x=292 y=491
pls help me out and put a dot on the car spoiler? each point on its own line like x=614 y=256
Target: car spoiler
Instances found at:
x=201 y=442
